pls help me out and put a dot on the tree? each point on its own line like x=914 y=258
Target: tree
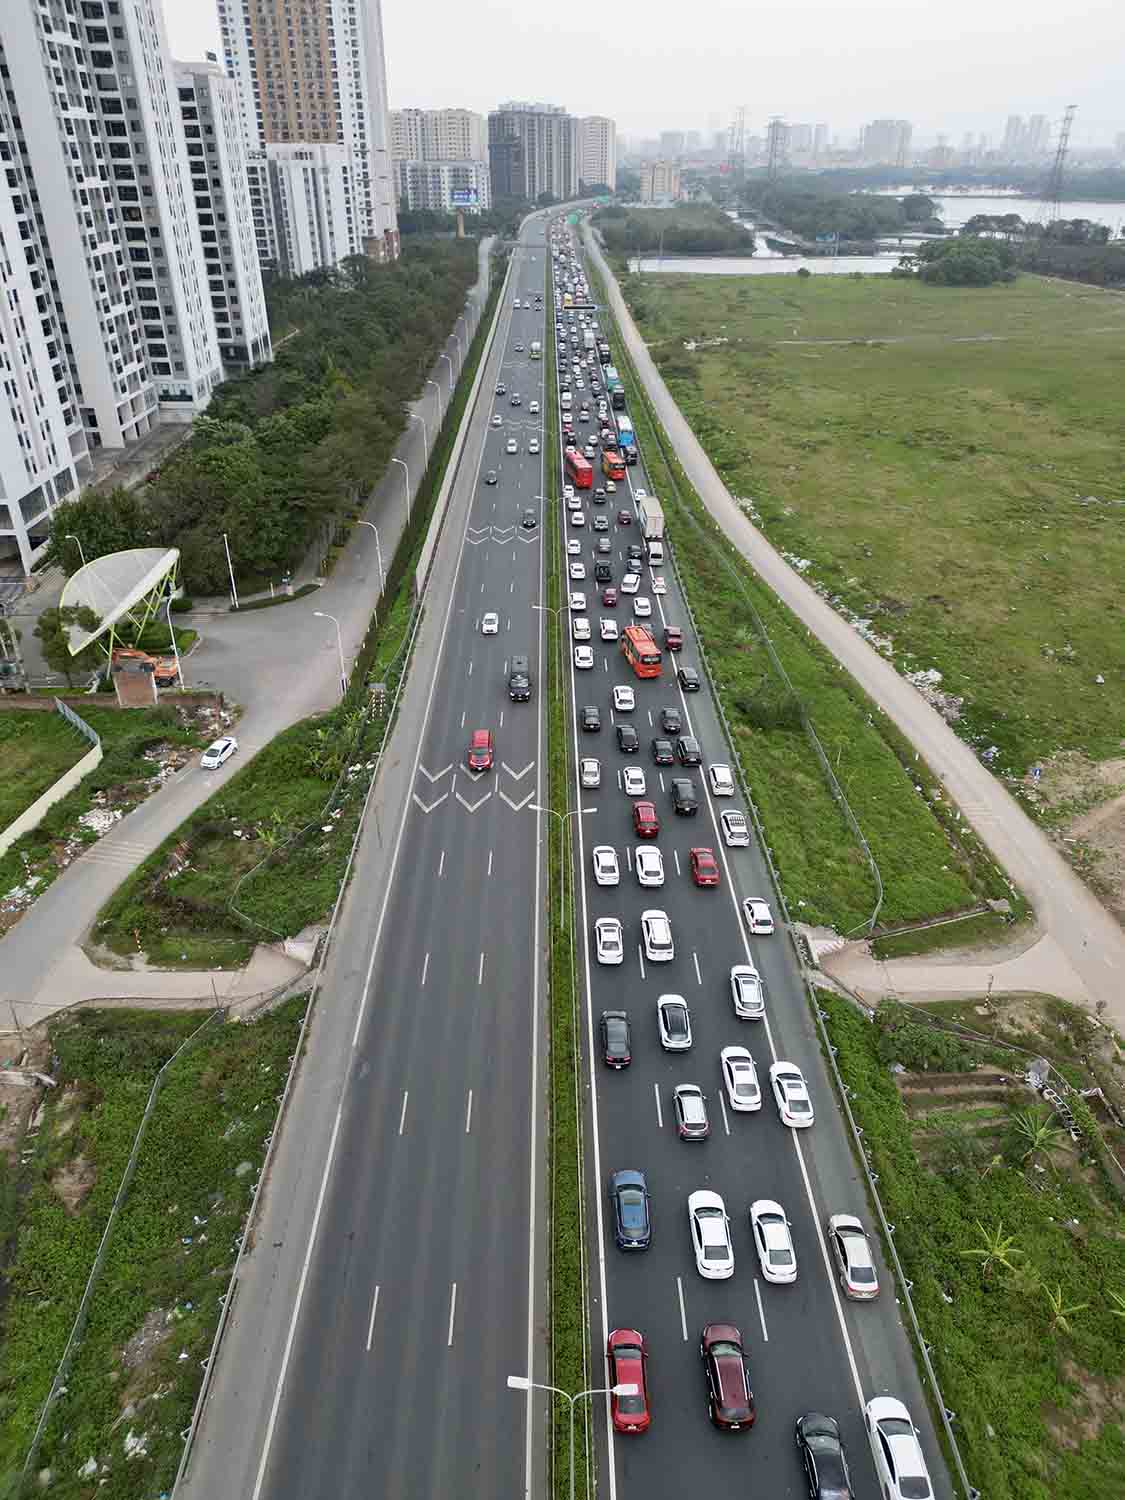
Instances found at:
x=918 y=207
x=103 y=521
x=546 y=200
x=52 y=632
x=997 y=1249
x=1060 y=1313
x=966 y=261
x=1034 y=1130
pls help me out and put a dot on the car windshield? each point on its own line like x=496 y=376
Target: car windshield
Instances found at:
x=799 y=1105
x=914 y=1487
x=715 y=1252
x=862 y=1274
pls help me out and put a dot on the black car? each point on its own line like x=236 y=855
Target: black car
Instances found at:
x=599 y=498
x=628 y=740
x=603 y=573
x=616 y=1039
x=662 y=752
x=519 y=680
x=501 y=389
x=822 y=1453
x=590 y=716
x=688 y=751
x=689 y=679
x=530 y=520
x=684 y=800
x=670 y=720
x=632 y=1221
x=490 y=477
x=635 y=551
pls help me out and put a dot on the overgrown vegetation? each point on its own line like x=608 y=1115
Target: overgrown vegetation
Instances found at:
x=294 y=442
x=1015 y=1243
x=35 y=749
x=136 y=1374
x=687 y=229
x=808 y=207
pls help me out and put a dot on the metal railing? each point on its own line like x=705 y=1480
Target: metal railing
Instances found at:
x=77 y=721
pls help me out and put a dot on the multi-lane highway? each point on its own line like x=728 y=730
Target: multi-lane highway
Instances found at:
x=809 y=1349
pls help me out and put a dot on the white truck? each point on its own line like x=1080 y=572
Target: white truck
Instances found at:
x=651 y=519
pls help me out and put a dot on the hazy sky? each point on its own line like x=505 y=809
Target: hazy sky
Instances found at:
x=658 y=64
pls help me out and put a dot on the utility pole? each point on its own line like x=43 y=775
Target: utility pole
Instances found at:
x=736 y=148
x=777 y=137
x=1052 y=192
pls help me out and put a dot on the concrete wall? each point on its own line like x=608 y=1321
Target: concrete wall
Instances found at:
x=32 y=816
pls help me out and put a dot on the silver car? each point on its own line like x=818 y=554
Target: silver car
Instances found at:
x=747 y=992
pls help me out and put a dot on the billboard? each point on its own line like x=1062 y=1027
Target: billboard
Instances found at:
x=464 y=198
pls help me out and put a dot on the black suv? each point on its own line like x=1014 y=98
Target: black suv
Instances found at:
x=670 y=720
x=687 y=748
x=689 y=679
x=590 y=717
x=635 y=551
x=603 y=573
x=684 y=800
x=628 y=740
x=662 y=752
x=519 y=680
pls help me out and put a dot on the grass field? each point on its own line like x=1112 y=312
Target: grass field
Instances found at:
x=35 y=750
x=957 y=482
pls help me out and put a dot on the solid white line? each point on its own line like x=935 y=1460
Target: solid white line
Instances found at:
x=425 y=966
x=761 y=1311
x=441 y=865
x=452 y=1315
x=371 y=1325
x=469 y=1113
x=480 y=968
x=675 y=852
x=683 y=1313
x=629 y=858
x=641 y=959
x=723 y=1108
x=490 y=862
x=402 y=1116
x=659 y=1112
x=695 y=961
x=259 y=1481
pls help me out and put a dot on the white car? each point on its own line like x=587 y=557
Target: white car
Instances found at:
x=533 y=445
x=572 y=500
x=610 y=487
x=770 y=1231
x=674 y=1021
x=736 y=828
x=497 y=420
x=897 y=1451
x=577 y=518
x=578 y=604
x=574 y=547
x=740 y=1078
x=580 y=627
x=633 y=780
x=608 y=629
x=747 y=992
x=642 y=608
x=855 y=1265
x=490 y=623
x=578 y=573
x=219 y=753
x=630 y=583
x=641 y=494
x=624 y=699
x=606 y=869
x=648 y=862
x=657 y=933
x=710 y=1235
x=533 y=408
x=591 y=771
x=758 y=916
x=512 y=446
x=607 y=935
x=791 y=1095
x=721 y=779
x=568 y=492
x=658 y=584
x=584 y=658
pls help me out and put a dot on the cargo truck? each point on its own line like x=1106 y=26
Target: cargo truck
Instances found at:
x=651 y=519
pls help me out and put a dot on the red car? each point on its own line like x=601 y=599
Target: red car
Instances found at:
x=480 y=750
x=673 y=638
x=646 y=825
x=609 y=598
x=704 y=867
x=627 y=1354
x=730 y=1401
x=624 y=518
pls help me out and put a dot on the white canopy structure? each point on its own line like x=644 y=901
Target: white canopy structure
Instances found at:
x=120 y=586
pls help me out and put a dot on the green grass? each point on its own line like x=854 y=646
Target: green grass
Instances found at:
x=929 y=865
x=172 y=1246
x=35 y=749
x=936 y=488
x=983 y=928
x=1034 y=1419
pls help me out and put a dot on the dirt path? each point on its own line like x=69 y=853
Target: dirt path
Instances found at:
x=1042 y=967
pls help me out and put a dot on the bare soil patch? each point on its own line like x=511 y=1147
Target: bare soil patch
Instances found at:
x=73 y=1182
x=1096 y=1403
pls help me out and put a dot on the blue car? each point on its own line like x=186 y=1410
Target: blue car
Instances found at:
x=632 y=1219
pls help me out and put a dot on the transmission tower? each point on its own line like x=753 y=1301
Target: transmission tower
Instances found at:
x=1052 y=192
x=736 y=145
x=777 y=139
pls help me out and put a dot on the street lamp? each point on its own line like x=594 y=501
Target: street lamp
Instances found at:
x=321 y=615
x=456 y=337
x=449 y=362
x=440 y=408
x=175 y=647
x=414 y=417
x=382 y=575
x=406 y=474
x=70 y=537
x=574 y=812
x=626 y=1388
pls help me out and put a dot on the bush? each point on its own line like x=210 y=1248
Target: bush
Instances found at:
x=183 y=605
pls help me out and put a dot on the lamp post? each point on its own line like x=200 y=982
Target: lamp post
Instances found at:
x=549 y=609
x=625 y=1388
x=449 y=362
x=70 y=537
x=414 y=417
x=406 y=474
x=382 y=575
x=456 y=337
x=574 y=812
x=440 y=408
x=321 y=615
x=175 y=647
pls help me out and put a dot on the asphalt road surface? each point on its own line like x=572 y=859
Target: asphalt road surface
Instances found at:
x=809 y=1349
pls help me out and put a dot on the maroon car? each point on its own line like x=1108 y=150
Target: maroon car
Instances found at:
x=624 y=518
x=627 y=1356
x=730 y=1401
x=609 y=598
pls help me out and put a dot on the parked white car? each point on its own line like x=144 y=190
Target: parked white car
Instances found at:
x=219 y=753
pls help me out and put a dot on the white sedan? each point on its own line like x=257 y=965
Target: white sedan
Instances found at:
x=773 y=1242
x=740 y=1078
x=578 y=573
x=512 y=446
x=219 y=753
x=624 y=699
x=533 y=445
x=657 y=933
x=607 y=871
x=610 y=487
x=577 y=518
x=758 y=916
x=568 y=492
x=584 y=658
x=851 y=1250
x=899 y=1464
x=630 y=583
x=591 y=769
x=658 y=584
x=578 y=602
x=490 y=623
x=608 y=629
x=607 y=935
x=642 y=608
x=710 y=1235
x=533 y=408
x=791 y=1095
x=574 y=547
x=633 y=780
x=497 y=420
x=648 y=862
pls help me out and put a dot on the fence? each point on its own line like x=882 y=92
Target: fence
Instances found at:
x=32 y=816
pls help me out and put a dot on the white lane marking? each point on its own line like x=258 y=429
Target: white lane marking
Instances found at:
x=695 y=961
x=490 y=862
x=663 y=788
x=761 y=1312
x=441 y=865
x=402 y=1113
x=641 y=959
x=469 y=1113
x=480 y=969
x=425 y=967
x=511 y=590
x=501 y=718
x=629 y=858
x=723 y=1108
x=371 y=1325
x=659 y=1111
x=675 y=852
x=452 y=1314
x=462 y=718
x=683 y=1311
x=470 y=669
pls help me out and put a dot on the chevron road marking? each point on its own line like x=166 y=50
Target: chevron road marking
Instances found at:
x=517 y=775
x=472 y=806
x=428 y=808
x=518 y=806
x=433 y=776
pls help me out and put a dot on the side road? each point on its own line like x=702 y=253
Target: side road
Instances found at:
x=282 y=665
x=1081 y=937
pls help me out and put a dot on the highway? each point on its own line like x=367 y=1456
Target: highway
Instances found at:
x=809 y=1349
x=426 y=1250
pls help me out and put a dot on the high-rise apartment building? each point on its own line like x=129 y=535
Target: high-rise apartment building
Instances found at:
x=820 y=139
x=533 y=149
x=312 y=85
x=444 y=185
x=441 y=159
x=597 y=151
x=887 y=141
x=660 y=182
x=1038 y=135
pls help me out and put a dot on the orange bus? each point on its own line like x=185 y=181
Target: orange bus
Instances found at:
x=579 y=470
x=613 y=465
x=640 y=651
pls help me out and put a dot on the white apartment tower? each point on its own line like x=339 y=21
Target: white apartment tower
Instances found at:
x=312 y=85
x=217 y=159
x=441 y=159
x=597 y=151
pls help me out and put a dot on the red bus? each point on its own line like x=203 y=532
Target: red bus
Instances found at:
x=579 y=470
x=613 y=465
x=640 y=651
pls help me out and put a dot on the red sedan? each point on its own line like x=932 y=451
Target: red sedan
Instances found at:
x=480 y=750
x=624 y=518
x=627 y=1354
x=609 y=598
x=704 y=867
x=646 y=825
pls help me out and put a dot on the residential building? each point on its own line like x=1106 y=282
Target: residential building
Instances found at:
x=671 y=144
x=438 y=135
x=444 y=185
x=660 y=182
x=887 y=141
x=312 y=85
x=1038 y=135
x=597 y=144
x=820 y=139
x=217 y=159
x=533 y=149
x=800 y=139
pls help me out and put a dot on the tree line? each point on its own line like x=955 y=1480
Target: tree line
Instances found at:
x=696 y=229
x=808 y=208
x=290 y=444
